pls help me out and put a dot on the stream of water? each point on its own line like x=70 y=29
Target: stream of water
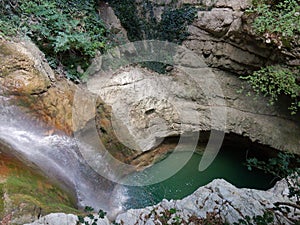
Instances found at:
x=56 y=156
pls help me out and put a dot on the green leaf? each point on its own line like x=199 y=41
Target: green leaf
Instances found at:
x=81 y=219
x=88 y=209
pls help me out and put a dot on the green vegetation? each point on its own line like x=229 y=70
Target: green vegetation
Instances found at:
x=28 y=192
x=126 y=11
x=285 y=166
x=69 y=32
x=143 y=25
x=174 y=23
x=90 y=219
x=273 y=81
x=277 y=20
x=266 y=219
x=32 y=193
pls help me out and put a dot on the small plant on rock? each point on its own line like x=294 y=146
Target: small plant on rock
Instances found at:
x=277 y=20
x=90 y=218
x=277 y=80
x=285 y=166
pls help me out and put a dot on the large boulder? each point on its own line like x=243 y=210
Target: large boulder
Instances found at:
x=29 y=82
x=23 y=70
x=216 y=201
x=67 y=219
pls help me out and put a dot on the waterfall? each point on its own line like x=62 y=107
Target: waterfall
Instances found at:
x=56 y=156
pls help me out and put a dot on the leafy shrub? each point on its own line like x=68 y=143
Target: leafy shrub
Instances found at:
x=266 y=219
x=174 y=22
x=69 y=32
x=275 y=80
x=126 y=11
x=277 y=20
x=285 y=166
x=172 y=27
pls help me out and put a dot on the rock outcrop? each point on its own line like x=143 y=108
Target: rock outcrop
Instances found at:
x=219 y=198
x=107 y=14
x=23 y=70
x=28 y=81
x=67 y=219
x=223 y=35
x=152 y=107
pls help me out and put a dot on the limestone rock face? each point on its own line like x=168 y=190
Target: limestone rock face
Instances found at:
x=27 y=79
x=152 y=107
x=23 y=70
x=223 y=34
x=218 y=197
x=220 y=36
x=113 y=23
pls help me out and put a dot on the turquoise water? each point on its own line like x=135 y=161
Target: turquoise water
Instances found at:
x=228 y=165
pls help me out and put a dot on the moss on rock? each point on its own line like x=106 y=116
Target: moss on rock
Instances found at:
x=26 y=195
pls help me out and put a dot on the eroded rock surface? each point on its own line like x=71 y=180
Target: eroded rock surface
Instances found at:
x=218 y=197
x=23 y=70
x=152 y=107
x=223 y=34
x=28 y=81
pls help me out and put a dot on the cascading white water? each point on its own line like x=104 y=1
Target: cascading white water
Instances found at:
x=57 y=156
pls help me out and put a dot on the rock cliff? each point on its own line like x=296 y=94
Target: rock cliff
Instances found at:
x=153 y=107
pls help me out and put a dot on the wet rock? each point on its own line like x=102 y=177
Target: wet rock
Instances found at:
x=25 y=195
x=30 y=83
x=54 y=107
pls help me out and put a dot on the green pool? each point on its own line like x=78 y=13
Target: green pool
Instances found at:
x=229 y=165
